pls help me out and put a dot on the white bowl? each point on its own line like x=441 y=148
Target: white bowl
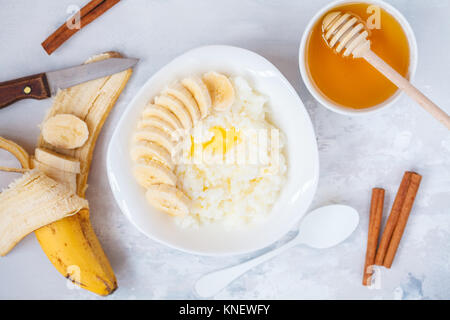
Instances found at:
x=339 y=108
x=290 y=116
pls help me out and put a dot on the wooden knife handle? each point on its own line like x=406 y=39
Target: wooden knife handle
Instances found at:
x=34 y=87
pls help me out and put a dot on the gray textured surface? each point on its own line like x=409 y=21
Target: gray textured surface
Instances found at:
x=356 y=153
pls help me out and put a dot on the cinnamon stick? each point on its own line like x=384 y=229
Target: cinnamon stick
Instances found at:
x=413 y=187
x=393 y=218
x=88 y=13
x=376 y=213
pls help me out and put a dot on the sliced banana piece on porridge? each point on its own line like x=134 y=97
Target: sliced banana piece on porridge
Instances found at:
x=162 y=113
x=156 y=135
x=160 y=124
x=168 y=199
x=200 y=93
x=151 y=151
x=177 y=108
x=220 y=89
x=149 y=172
x=182 y=94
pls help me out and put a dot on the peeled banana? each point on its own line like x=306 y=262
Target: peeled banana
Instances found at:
x=220 y=89
x=65 y=131
x=33 y=201
x=71 y=242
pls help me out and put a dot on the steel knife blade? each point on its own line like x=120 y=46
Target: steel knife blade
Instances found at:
x=44 y=85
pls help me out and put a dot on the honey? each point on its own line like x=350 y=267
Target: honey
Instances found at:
x=354 y=83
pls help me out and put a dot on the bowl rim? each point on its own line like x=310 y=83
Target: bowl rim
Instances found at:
x=232 y=252
x=324 y=101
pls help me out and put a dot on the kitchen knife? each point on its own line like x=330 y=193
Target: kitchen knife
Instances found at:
x=44 y=85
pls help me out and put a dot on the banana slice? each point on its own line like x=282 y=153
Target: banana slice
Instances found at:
x=162 y=113
x=177 y=108
x=148 y=172
x=161 y=124
x=220 y=89
x=57 y=160
x=181 y=93
x=156 y=135
x=65 y=131
x=168 y=199
x=152 y=151
x=156 y=122
x=200 y=92
x=69 y=179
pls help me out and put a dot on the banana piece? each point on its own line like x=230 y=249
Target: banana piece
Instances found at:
x=177 y=108
x=182 y=94
x=220 y=89
x=69 y=179
x=31 y=202
x=156 y=122
x=16 y=151
x=148 y=172
x=162 y=113
x=71 y=242
x=153 y=134
x=200 y=93
x=57 y=161
x=65 y=131
x=168 y=199
x=151 y=151
x=160 y=124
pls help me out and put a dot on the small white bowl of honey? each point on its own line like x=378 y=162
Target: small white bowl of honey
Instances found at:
x=352 y=86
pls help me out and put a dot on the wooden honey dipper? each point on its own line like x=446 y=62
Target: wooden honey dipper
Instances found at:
x=347 y=35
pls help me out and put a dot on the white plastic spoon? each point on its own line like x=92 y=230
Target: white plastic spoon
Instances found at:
x=322 y=228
